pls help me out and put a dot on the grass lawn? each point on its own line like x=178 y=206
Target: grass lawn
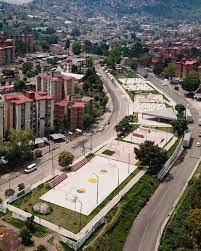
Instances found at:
x=164 y=129
x=62 y=216
x=108 y=152
x=121 y=217
x=125 y=73
x=39 y=231
x=177 y=234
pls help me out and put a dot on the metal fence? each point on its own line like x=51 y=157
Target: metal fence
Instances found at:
x=168 y=165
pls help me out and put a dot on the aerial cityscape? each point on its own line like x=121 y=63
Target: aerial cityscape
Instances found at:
x=100 y=125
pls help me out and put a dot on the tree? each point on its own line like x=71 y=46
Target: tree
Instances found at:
x=180 y=125
x=21 y=186
x=26 y=237
x=169 y=71
x=88 y=120
x=27 y=67
x=67 y=44
x=9 y=192
x=65 y=159
x=8 y=72
x=20 y=47
x=180 y=109
x=18 y=148
x=151 y=155
x=194 y=222
x=158 y=68
x=89 y=62
x=191 y=82
x=38 y=68
x=76 y=48
x=41 y=248
x=124 y=126
x=29 y=223
x=19 y=85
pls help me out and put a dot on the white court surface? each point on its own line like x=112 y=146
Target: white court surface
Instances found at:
x=136 y=84
x=123 y=152
x=142 y=134
x=81 y=187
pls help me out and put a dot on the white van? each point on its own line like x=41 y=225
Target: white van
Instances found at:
x=30 y=168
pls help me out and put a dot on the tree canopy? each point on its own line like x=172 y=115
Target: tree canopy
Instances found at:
x=76 y=48
x=125 y=125
x=151 y=155
x=180 y=125
x=169 y=71
x=18 y=148
x=191 y=82
x=65 y=158
x=20 y=85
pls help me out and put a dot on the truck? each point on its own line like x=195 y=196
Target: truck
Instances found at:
x=189 y=116
x=187 y=139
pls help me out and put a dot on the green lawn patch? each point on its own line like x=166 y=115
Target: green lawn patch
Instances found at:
x=108 y=152
x=39 y=231
x=123 y=215
x=62 y=216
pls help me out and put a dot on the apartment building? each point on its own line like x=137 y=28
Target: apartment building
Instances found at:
x=73 y=109
x=58 y=84
x=25 y=38
x=7 y=53
x=183 y=67
x=50 y=84
x=31 y=110
x=1 y=120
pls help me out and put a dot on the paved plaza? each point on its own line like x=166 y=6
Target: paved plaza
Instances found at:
x=79 y=191
x=123 y=152
x=136 y=84
x=142 y=134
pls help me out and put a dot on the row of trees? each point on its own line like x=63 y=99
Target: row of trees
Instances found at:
x=18 y=148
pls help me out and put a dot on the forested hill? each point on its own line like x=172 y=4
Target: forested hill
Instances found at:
x=162 y=8
x=174 y=9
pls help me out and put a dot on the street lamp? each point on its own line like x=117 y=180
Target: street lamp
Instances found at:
x=118 y=176
x=97 y=186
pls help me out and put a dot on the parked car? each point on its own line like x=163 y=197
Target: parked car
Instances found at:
x=198 y=144
x=30 y=168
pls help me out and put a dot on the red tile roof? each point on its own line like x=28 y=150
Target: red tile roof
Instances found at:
x=63 y=102
x=43 y=96
x=17 y=99
x=78 y=105
x=49 y=77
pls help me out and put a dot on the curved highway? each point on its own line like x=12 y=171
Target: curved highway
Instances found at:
x=147 y=226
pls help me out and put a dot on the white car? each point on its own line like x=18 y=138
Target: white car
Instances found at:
x=198 y=144
x=30 y=168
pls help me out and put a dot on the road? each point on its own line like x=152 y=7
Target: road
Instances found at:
x=91 y=141
x=145 y=229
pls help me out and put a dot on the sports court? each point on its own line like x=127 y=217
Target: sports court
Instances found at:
x=85 y=189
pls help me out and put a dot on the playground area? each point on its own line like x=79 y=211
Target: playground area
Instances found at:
x=141 y=134
x=85 y=189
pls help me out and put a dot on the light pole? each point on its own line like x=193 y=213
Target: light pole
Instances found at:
x=97 y=186
x=117 y=177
